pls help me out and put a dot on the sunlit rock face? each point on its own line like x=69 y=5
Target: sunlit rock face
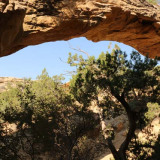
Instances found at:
x=5 y=82
x=30 y=22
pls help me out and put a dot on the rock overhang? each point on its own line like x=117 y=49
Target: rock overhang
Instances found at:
x=32 y=22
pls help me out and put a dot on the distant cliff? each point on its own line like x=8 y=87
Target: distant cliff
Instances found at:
x=5 y=81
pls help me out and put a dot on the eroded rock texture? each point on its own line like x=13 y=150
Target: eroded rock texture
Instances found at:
x=31 y=22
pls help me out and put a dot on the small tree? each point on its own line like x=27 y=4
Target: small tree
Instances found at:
x=127 y=84
x=48 y=121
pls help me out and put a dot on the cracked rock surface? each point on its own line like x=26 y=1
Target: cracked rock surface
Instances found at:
x=31 y=22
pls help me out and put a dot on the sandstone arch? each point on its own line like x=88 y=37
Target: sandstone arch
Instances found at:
x=31 y=22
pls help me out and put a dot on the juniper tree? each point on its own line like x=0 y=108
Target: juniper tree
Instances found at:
x=47 y=120
x=126 y=83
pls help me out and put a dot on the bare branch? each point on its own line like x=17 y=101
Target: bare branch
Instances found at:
x=78 y=49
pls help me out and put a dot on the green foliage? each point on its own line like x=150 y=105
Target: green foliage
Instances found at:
x=47 y=119
x=115 y=72
x=117 y=83
x=153 y=109
x=57 y=119
x=153 y=1
x=38 y=99
x=148 y=148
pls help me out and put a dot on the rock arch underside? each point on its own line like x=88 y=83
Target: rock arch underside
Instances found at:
x=31 y=22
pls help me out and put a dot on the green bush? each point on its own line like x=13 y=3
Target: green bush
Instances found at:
x=47 y=119
x=153 y=1
x=153 y=111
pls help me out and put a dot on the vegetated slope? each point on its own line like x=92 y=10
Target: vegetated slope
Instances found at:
x=5 y=81
x=119 y=123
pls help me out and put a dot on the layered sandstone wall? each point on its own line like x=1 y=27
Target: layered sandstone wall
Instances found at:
x=31 y=22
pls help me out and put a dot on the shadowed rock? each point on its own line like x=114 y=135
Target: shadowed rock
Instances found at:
x=31 y=22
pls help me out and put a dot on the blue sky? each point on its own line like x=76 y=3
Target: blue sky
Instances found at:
x=30 y=61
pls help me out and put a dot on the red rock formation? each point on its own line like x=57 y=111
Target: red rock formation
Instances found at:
x=31 y=22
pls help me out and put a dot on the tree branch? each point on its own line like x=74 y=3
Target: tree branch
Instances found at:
x=79 y=50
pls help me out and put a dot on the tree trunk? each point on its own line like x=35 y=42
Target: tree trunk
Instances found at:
x=109 y=141
x=132 y=127
x=121 y=153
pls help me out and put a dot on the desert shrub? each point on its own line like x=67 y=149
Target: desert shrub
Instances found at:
x=47 y=118
x=153 y=1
